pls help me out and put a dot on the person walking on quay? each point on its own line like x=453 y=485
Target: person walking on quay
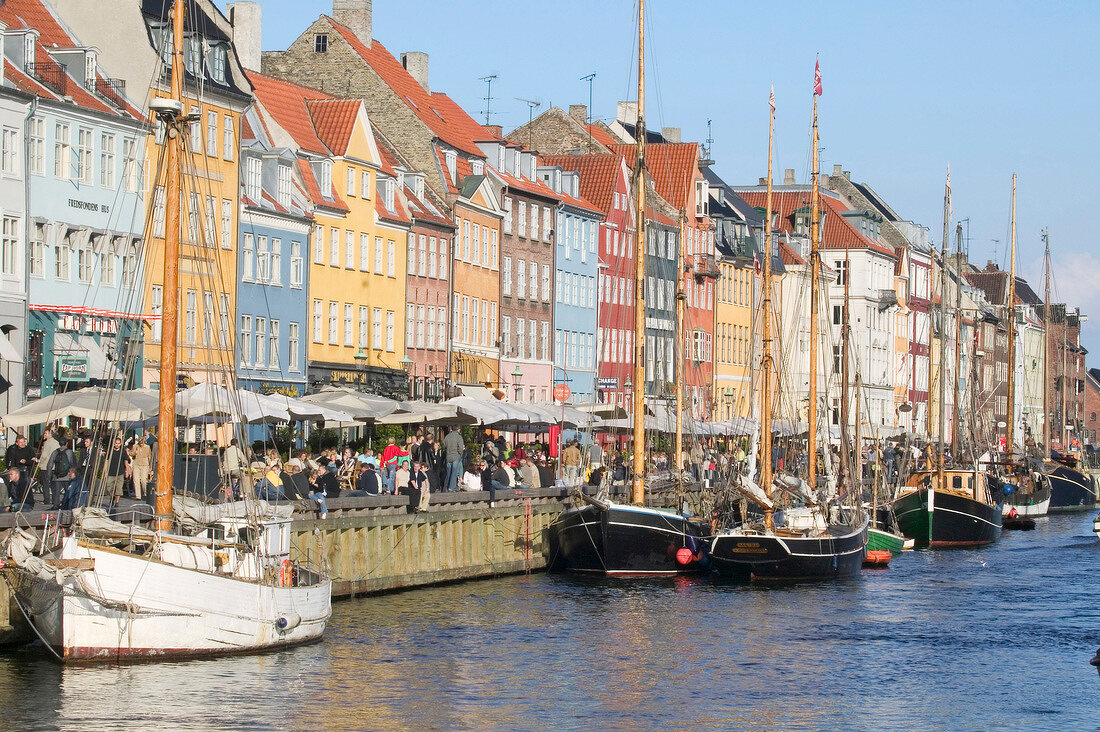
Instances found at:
x=56 y=475
x=48 y=446
x=20 y=456
x=571 y=462
x=116 y=470
x=453 y=448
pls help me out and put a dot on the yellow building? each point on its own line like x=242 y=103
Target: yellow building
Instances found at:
x=734 y=336
x=357 y=260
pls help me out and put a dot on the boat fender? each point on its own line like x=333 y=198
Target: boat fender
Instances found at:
x=289 y=621
x=1008 y=489
x=684 y=555
x=1095 y=661
x=1013 y=513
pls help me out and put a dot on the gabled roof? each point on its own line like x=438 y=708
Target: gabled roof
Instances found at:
x=334 y=121
x=598 y=172
x=672 y=166
x=789 y=256
x=287 y=104
x=52 y=35
x=314 y=190
x=838 y=232
x=438 y=113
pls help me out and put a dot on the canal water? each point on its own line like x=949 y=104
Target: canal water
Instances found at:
x=998 y=638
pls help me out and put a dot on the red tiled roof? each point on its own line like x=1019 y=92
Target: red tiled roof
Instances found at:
x=599 y=175
x=314 y=189
x=672 y=165
x=601 y=136
x=838 y=232
x=334 y=120
x=287 y=103
x=536 y=187
x=438 y=113
x=51 y=34
x=790 y=257
x=247 y=133
x=417 y=207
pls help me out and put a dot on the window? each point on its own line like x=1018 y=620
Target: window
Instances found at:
x=422 y=260
x=838 y=314
x=364 y=253
x=546 y=283
x=466 y=241
x=193 y=218
x=195 y=131
x=334 y=247
x=273 y=345
x=444 y=256
x=37 y=142
x=521 y=340
x=38 y=251
x=333 y=322
x=475 y=332
x=532 y=339
x=320 y=43
x=191 y=317
x=378 y=255
x=326 y=178
x=521 y=279
x=317 y=316
x=62 y=165
x=263 y=260
x=389 y=330
x=223 y=319
x=432 y=268
x=544 y=338
x=246 y=339
x=349 y=250
x=364 y=188
x=209 y=232
x=277 y=262
x=284 y=185
x=227 y=223
x=247 y=255
x=523 y=220
x=506 y=335
x=391 y=257
x=546 y=232
x=491 y=262
x=533 y=281
x=10 y=263
x=84 y=155
x=429 y=341
x=348 y=335
x=156 y=308
x=217 y=62
x=9 y=151
x=261 y=342
x=85 y=262
x=364 y=326
x=507 y=215
x=212 y=134
x=296 y=264
x=351 y=181
x=318 y=245
x=376 y=332
x=841 y=267
x=252 y=186
x=228 y=140
x=506 y=276
x=419 y=328
x=208 y=317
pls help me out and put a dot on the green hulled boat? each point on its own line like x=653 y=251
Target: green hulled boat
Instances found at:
x=882 y=540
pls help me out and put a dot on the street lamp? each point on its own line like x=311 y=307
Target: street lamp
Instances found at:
x=407 y=367
x=516 y=376
x=360 y=366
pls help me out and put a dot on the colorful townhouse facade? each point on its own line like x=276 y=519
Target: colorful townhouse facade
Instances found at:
x=13 y=264
x=81 y=227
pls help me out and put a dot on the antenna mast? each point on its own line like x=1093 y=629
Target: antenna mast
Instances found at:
x=488 y=95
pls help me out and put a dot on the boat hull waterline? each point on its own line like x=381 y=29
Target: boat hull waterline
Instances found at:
x=1071 y=490
x=128 y=607
x=625 y=540
x=956 y=521
x=767 y=557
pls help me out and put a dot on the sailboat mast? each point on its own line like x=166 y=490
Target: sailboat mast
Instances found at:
x=1010 y=312
x=638 y=494
x=943 y=353
x=679 y=352
x=815 y=266
x=1046 y=344
x=956 y=439
x=845 y=418
x=766 y=360
x=166 y=423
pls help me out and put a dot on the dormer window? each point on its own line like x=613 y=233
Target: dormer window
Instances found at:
x=478 y=167
x=452 y=162
x=284 y=185
x=701 y=198
x=192 y=59
x=326 y=178
x=418 y=186
x=89 y=69
x=252 y=179
x=388 y=191
x=28 y=50
x=320 y=43
x=218 y=54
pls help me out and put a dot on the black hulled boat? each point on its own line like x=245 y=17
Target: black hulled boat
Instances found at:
x=960 y=514
x=1070 y=489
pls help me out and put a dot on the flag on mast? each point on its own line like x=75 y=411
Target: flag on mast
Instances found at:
x=817 y=78
x=771 y=98
x=947 y=194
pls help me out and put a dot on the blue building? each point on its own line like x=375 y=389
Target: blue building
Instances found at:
x=272 y=288
x=85 y=213
x=576 y=278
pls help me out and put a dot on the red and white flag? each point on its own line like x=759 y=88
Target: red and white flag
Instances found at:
x=817 y=78
x=771 y=98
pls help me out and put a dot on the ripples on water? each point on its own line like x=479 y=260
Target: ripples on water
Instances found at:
x=998 y=638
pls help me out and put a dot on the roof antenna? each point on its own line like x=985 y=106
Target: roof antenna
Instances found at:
x=705 y=159
x=488 y=95
x=588 y=115
x=532 y=105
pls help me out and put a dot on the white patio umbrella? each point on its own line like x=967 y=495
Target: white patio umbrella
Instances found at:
x=92 y=402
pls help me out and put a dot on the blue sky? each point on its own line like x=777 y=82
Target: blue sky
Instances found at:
x=990 y=88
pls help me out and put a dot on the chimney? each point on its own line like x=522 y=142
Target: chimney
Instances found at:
x=671 y=134
x=627 y=112
x=579 y=112
x=847 y=175
x=356 y=15
x=496 y=131
x=763 y=181
x=788 y=177
x=838 y=170
x=416 y=63
x=245 y=17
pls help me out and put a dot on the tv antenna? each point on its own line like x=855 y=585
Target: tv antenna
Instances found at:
x=588 y=113
x=488 y=95
x=532 y=105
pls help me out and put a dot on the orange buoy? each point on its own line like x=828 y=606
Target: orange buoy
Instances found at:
x=877 y=558
x=684 y=555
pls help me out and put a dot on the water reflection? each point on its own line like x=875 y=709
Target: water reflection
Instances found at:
x=994 y=638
